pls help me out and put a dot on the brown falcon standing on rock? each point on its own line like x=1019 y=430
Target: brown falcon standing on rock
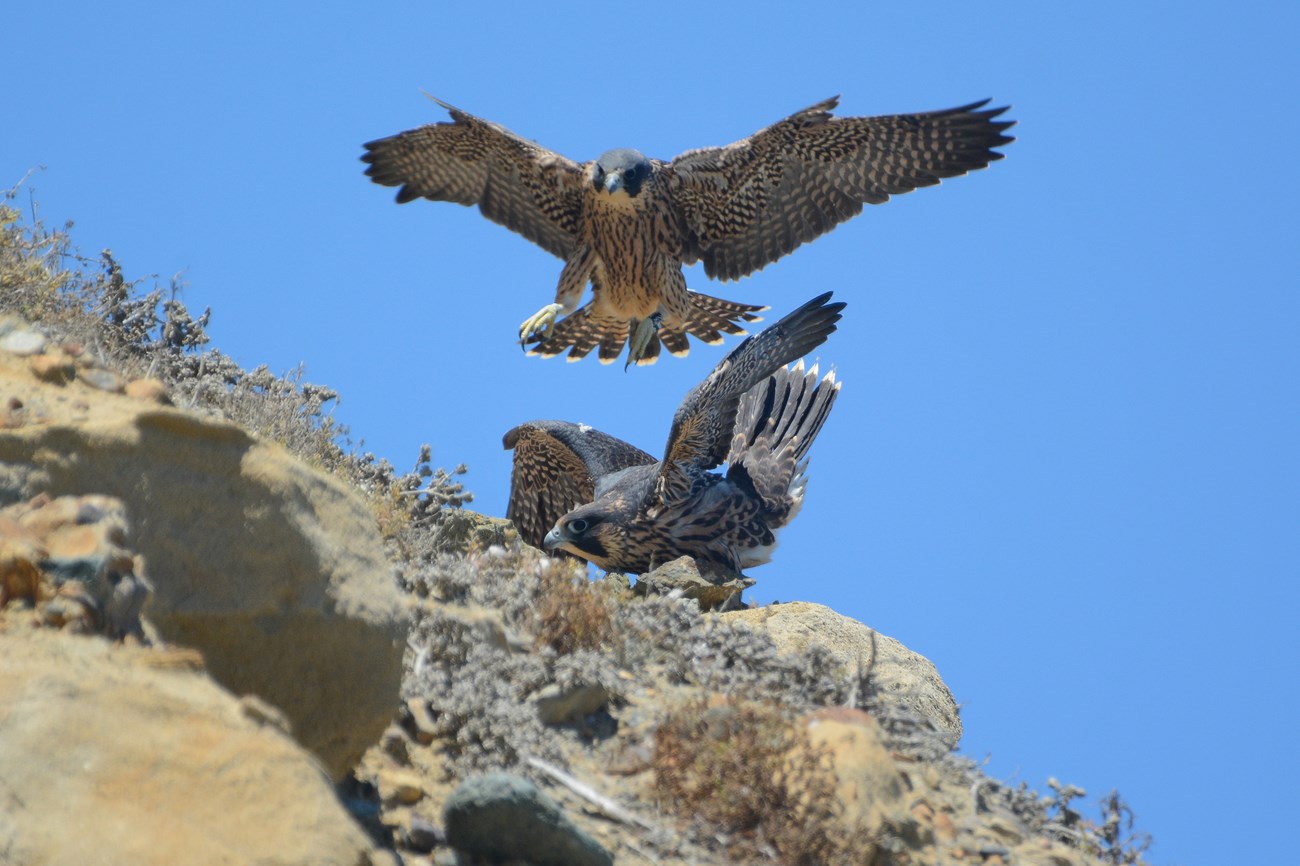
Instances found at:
x=627 y=224
x=589 y=494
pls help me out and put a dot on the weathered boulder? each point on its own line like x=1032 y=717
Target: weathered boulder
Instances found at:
x=504 y=818
x=272 y=569
x=115 y=754
x=902 y=677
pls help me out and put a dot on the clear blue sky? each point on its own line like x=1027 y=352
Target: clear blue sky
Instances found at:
x=1064 y=461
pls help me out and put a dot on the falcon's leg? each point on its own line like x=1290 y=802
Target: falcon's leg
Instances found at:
x=573 y=281
x=642 y=336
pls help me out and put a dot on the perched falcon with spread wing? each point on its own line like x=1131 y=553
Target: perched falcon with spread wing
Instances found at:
x=627 y=224
x=589 y=494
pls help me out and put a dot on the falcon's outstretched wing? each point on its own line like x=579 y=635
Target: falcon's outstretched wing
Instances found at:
x=753 y=201
x=703 y=426
x=556 y=466
x=515 y=182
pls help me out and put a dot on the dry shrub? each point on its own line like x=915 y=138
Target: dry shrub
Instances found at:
x=1114 y=838
x=744 y=768
x=571 y=613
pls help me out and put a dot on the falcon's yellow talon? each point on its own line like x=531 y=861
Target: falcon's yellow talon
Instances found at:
x=540 y=323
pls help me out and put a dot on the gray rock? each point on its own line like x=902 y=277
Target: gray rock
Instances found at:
x=22 y=342
x=104 y=380
x=557 y=706
x=500 y=817
x=683 y=576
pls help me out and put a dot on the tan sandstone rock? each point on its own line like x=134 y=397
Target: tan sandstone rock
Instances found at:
x=152 y=390
x=106 y=758
x=869 y=786
x=87 y=578
x=270 y=568
x=906 y=678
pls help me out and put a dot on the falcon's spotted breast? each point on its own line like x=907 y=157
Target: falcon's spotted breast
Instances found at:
x=627 y=224
x=577 y=490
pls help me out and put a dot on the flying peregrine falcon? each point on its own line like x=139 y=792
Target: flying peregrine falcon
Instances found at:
x=627 y=223
x=589 y=494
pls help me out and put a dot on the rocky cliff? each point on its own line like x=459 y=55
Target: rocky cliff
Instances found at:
x=212 y=651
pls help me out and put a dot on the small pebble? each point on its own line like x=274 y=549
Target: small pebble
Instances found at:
x=404 y=788
x=22 y=342
x=104 y=380
x=53 y=367
x=147 y=389
x=422 y=836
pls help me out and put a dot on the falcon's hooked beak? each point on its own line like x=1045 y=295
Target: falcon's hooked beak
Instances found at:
x=554 y=539
x=613 y=182
x=561 y=538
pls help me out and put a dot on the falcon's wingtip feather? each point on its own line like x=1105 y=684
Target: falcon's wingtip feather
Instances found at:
x=828 y=104
x=447 y=105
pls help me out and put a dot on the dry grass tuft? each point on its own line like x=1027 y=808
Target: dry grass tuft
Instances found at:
x=572 y=614
x=747 y=770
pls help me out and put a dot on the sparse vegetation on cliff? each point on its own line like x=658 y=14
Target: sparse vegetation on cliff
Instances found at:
x=145 y=330
x=663 y=732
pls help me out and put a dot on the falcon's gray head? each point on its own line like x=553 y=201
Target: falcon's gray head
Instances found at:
x=596 y=532
x=624 y=169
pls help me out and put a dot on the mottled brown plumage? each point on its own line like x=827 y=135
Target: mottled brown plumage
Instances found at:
x=550 y=478
x=627 y=224
x=616 y=506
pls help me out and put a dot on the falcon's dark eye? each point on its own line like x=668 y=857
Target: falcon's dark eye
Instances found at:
x=630 y=174
x=579 y=526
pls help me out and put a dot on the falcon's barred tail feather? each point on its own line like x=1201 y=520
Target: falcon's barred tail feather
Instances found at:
x=580 y=332
x=710 y=315
x=776 y=423
x=718 y=308
x=674 y=340
x=705 y=333
x=611 y=345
